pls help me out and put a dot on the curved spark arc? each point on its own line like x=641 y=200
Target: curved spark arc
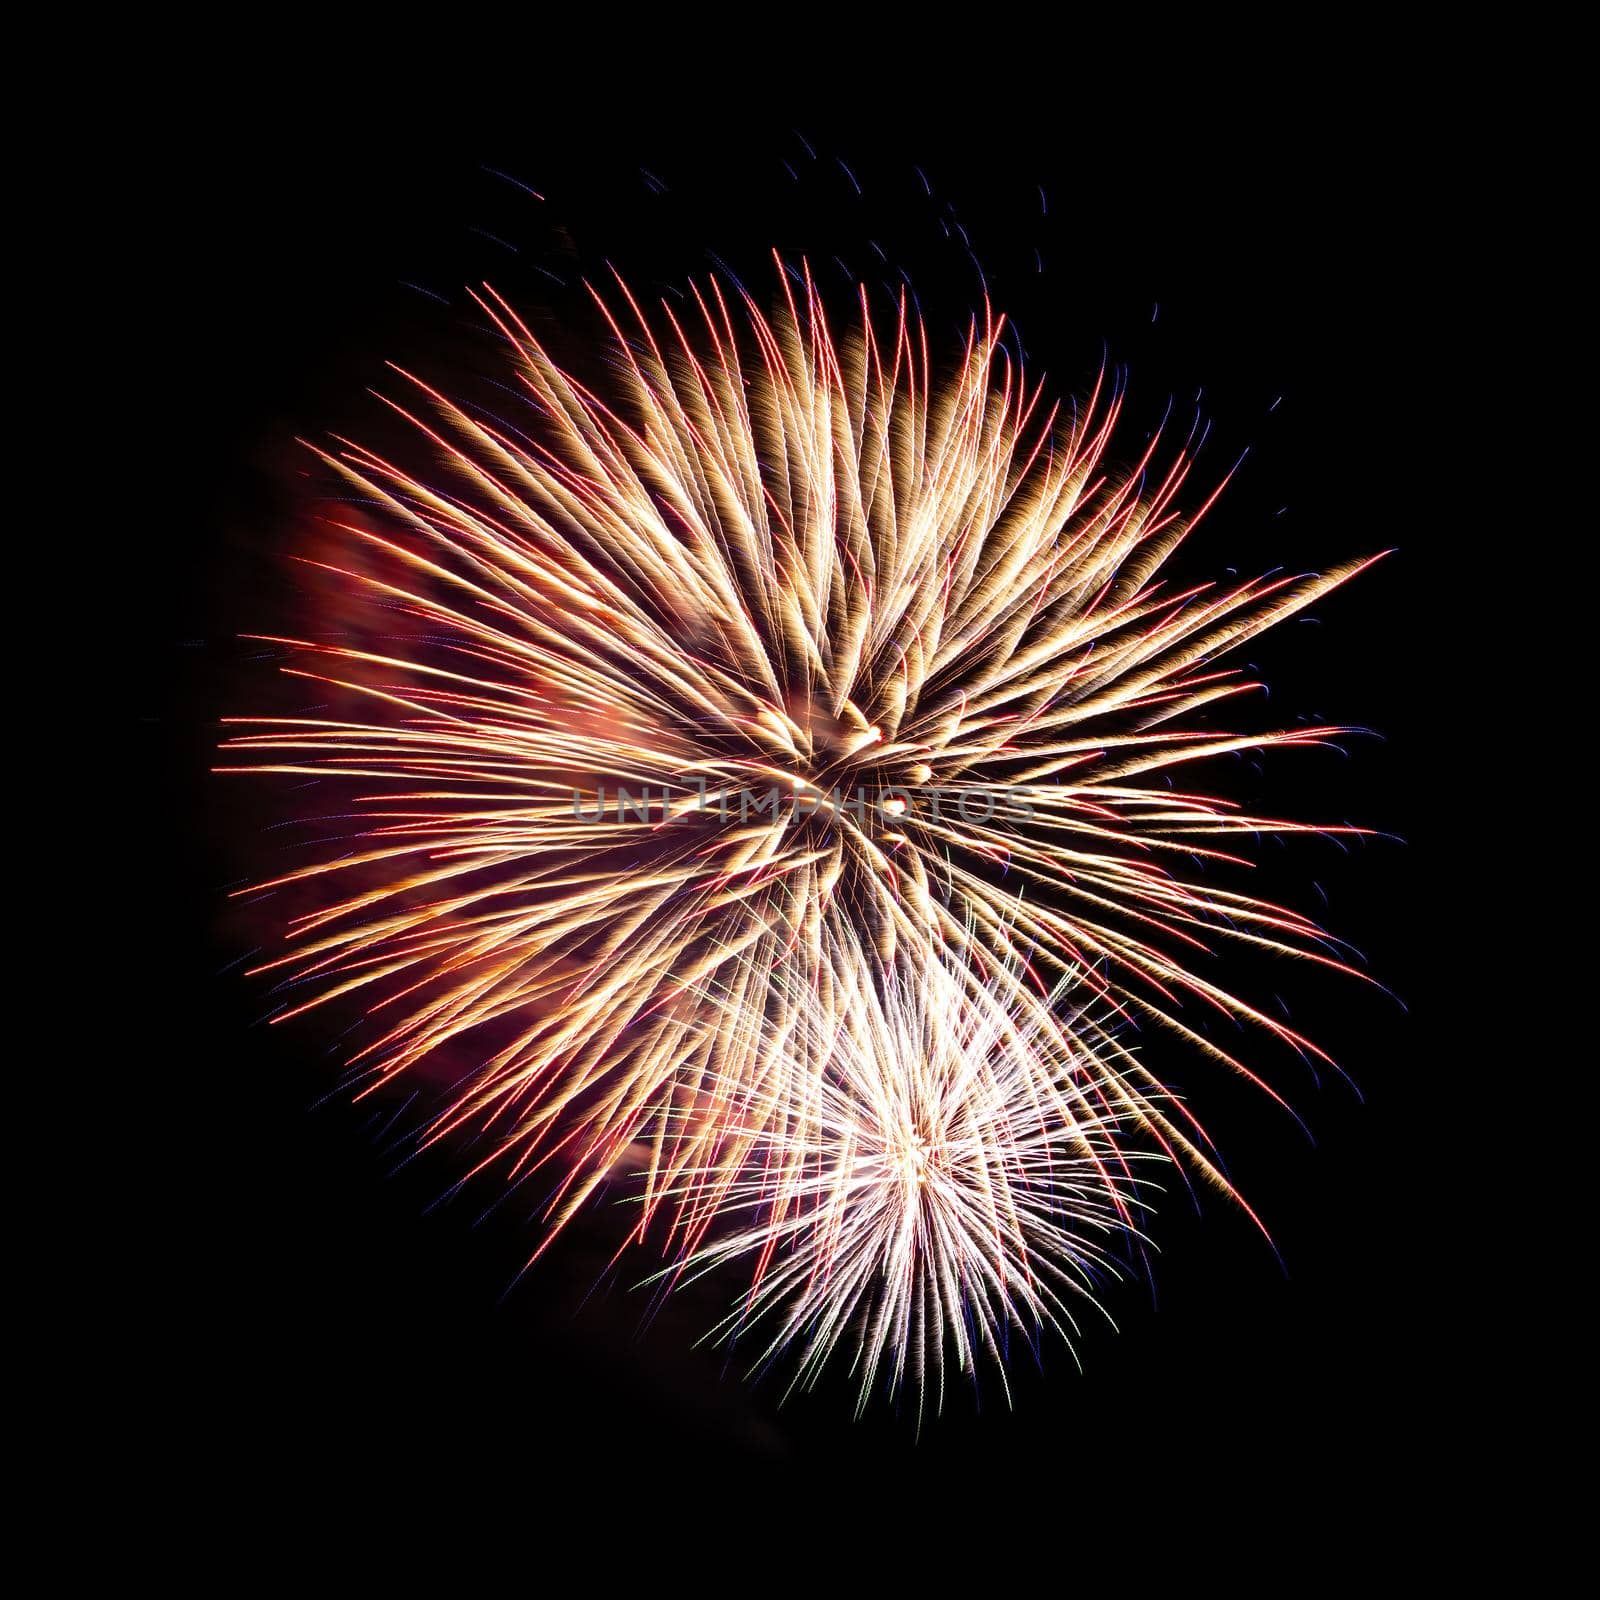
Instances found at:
x=777 y=562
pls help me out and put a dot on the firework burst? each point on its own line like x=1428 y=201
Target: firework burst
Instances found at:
x=953 y=1188
x=692 y=692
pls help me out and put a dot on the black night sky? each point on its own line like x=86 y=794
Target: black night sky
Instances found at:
x=320 y=1311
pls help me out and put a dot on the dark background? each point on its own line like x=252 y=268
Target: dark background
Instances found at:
x=309 y=1307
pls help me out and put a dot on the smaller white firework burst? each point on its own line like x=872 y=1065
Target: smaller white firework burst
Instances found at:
x=947 y=1181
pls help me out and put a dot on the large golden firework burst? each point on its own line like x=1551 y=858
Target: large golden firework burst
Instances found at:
x=782 y=674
